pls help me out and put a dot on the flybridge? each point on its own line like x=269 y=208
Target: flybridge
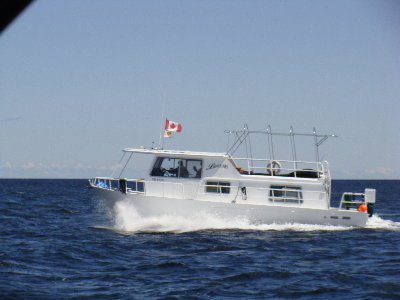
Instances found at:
x=172 y=152
x=251 y=165
x=243 y=136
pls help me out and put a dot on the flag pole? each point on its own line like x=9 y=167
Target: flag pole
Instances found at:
x=161 y=144
x=161 y=140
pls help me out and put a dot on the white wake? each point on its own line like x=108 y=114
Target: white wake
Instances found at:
x=376 y=222
x=125 y=219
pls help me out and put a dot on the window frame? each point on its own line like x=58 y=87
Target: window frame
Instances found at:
x=218 y=187
x=283 y=194
x=157 y=169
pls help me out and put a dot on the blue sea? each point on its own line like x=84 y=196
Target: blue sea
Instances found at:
x=59 y=241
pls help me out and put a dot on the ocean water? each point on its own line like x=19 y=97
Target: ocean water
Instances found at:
x=58 y=241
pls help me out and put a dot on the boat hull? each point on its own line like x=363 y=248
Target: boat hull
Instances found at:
x=151 y=206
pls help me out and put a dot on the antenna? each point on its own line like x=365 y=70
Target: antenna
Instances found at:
x=161 y=140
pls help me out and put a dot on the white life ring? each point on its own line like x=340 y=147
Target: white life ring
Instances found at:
x=274 y=167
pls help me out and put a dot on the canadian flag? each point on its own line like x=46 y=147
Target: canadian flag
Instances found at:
x=173 y=126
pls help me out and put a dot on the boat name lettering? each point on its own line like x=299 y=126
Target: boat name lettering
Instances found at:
x=157 y=179
x=214 y=165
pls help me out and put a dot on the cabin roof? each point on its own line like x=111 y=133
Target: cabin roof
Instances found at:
x=175 y=153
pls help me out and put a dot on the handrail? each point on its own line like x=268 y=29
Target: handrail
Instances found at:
x=113 y=184
x=351 y=200
x=270 y=194
x=296 y=167
x=243 y=136
x=280 y=160
x=267 y=196
x=281 y=133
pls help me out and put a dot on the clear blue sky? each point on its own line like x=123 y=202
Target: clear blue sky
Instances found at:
x=80 y=80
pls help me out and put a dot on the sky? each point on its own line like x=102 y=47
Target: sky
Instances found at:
x=81 y=80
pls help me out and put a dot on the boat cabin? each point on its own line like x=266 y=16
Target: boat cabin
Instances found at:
x=217 y=177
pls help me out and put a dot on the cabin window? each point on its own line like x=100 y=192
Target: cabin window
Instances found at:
x=218 y=187
x=287 y=194
x=177 y=167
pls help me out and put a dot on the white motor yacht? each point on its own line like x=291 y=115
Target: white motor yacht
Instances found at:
x=262 y=190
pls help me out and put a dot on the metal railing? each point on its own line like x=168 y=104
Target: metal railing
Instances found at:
x=363 y=202
x=231 y=193
x=286 y=168
x=139 y=186
x=351 y=201
x=134 y=186
x=107 y=183
x=243 y=137
x=276 y=196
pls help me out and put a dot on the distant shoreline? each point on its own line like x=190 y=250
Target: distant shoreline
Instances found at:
x=86 y=178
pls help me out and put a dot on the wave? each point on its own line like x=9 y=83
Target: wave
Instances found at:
x=376 y=222
x=126 y=219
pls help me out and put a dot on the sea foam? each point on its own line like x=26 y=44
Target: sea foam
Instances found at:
x=125 y=218
x=376 y=222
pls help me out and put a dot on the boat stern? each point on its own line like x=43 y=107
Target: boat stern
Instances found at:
x=370 y=198
x=362 y=202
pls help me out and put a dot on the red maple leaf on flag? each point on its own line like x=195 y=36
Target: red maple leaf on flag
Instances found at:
x=173 y=126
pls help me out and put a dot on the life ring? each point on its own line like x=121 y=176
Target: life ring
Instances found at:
x=274 y=167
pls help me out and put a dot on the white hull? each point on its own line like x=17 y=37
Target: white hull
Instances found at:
x=152 y=206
